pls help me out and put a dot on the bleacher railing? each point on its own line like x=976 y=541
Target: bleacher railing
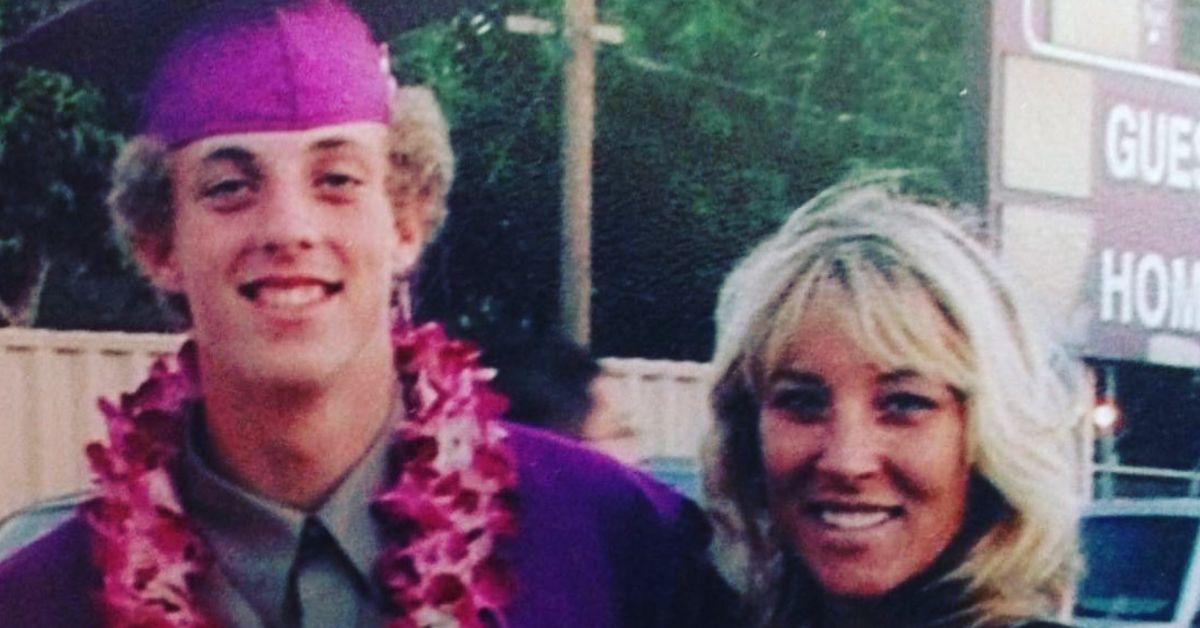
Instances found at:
x=1115 y=480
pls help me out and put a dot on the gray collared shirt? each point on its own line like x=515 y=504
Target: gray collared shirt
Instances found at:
x=256 y=543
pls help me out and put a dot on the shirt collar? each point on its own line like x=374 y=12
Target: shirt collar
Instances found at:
x=256 y=540
x=347 y=513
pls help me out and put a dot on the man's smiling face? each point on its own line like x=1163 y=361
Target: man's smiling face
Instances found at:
x=285 y=244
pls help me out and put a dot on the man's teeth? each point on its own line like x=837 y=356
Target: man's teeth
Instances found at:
x=854 y=520
x=290 y=297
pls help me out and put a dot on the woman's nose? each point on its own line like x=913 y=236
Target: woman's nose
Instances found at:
x=851 y=447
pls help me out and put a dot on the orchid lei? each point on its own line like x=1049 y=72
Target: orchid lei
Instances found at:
x=451 y=498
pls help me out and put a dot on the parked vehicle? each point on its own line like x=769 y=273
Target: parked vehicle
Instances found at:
x=28 y=524
x=1141 y=566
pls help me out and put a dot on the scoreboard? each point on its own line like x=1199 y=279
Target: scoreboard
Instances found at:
x=1093 y=153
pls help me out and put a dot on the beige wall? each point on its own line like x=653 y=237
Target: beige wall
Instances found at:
x=1107 y=27
x=1046 y=142
x=49 y=383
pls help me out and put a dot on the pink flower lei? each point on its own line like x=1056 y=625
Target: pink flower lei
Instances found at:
x=452 y=497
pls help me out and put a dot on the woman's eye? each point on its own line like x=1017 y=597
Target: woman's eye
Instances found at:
x=801 y=404
x=906 y=403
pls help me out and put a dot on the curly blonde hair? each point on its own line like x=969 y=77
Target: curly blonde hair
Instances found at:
x=419 y=153
x=1024 y=397
x=418 y=150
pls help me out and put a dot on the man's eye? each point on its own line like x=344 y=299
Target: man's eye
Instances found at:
x=337 y=180
x=226 y=188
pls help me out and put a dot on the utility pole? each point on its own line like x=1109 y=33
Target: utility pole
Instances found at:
x=579 y=114
x=579 y=109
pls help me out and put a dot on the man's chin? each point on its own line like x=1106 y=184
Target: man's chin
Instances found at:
x=286 y=370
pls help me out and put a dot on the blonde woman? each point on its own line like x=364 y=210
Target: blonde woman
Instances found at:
x=895 y=440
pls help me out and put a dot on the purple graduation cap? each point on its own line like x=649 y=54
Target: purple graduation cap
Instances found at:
x=231 y=66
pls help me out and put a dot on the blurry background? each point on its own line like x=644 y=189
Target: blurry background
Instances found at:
x=714 y=118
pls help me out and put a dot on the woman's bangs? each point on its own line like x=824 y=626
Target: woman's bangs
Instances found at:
x=896 y=319
x=781 y=339
x=903 y=326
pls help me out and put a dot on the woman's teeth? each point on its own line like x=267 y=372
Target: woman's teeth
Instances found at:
x=854 y=520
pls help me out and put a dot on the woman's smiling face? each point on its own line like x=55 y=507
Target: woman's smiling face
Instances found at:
x=866 y=464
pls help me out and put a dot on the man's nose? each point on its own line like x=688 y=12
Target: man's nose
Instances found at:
x=852 y=446
x=290 y=220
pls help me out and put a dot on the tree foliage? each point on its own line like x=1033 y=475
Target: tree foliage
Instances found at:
x=56 y=144
x=715 y=119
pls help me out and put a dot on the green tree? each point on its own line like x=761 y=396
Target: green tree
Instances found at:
x=56 y=145
x=715 y=119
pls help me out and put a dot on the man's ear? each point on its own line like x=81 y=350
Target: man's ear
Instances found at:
x=156 y=257
x=412 y=228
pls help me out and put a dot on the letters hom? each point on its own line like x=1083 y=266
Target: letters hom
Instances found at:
x=1148 y=290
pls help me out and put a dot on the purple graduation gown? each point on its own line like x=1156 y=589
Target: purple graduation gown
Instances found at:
x=599 y=545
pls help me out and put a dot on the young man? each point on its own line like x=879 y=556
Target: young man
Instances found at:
x=311 y=459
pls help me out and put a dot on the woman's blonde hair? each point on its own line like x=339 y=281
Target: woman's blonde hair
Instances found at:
x=921 y=294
